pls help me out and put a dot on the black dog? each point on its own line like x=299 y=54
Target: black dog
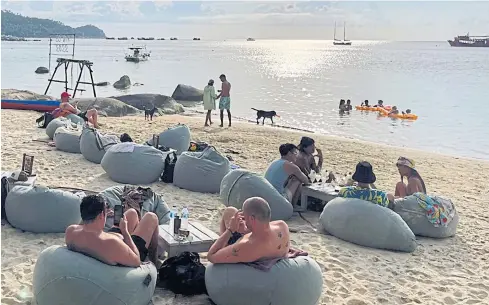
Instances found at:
x=264 y=114
x=148 y=113
x=125 y=138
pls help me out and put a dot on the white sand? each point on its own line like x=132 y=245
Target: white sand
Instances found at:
x=450 y=271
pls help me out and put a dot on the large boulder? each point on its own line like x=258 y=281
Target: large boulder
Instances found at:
x=42 y=70
x=123 y=83
x=187 y=93
x=14 y=94
x=165 y=104
x=106 y=106
x=367 y=224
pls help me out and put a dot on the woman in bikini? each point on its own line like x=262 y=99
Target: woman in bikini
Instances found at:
x=414 y=181
x=65 y=109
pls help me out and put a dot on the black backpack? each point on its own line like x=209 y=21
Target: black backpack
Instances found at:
x=44 y=120
x=170 y=161
x=5 y=190
x=183 y=274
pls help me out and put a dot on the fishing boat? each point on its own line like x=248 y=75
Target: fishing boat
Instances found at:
x=138 y=54
x=36 y=105
x=343 y=42
x=250 y=39
x=470 y=41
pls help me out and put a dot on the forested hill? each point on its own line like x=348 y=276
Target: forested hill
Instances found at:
x=21 y=26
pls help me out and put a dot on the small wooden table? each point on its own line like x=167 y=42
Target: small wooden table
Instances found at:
x=200 y=239
x=322 y=191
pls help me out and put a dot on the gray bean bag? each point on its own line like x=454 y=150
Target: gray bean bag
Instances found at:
x=133 y=163
x=75 y=119
x=239 y=185
x=176 y=137
x=55 y=124
x=39 y=209
x=367 y=224
x=62 y=276
x=93 y=145
x=67 y=139
x=201 y=171
x=290 y=282
x=415 y=217
x=155 y=204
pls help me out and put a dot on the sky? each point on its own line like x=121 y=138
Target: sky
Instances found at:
x=365 y=20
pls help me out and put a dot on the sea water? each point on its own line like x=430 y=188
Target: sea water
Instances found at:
x=303 y=81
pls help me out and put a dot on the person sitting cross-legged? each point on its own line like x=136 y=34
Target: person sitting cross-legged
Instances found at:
x=128 y=245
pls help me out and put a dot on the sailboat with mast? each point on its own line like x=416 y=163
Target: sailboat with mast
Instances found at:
x=343 y=42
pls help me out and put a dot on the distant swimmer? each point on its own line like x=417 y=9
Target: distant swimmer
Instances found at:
x=348 y=105
x=365 y=103
x=342 y=106
x=408 y=111
x=380 y=103
x=394 y=110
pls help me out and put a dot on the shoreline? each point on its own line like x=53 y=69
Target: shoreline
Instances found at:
x=196 y=113
x=351 y=274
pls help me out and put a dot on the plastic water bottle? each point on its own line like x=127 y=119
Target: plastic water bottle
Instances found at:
x=185 y=215
x=173 y=213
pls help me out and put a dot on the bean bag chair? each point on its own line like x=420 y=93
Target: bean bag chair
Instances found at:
x=75 y=119
x=133 y=163
x=415 y=217
x=154 y=203
x=39 y=209
x=93 y=145
x=201 y=171
x=289 y=282
x=239 y=185
x=67 y=139
x=367 y=224
x=55 y=124
x=62 y=276
x=176 y=137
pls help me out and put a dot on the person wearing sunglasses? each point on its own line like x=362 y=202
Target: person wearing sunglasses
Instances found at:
x=415 y=183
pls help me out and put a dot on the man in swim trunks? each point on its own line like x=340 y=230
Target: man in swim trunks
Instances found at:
x=285 y=176
x=65 y=108
x=225 y=99
x=128 y=245
x=249 y=235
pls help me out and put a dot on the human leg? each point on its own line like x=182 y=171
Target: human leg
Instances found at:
x=92 y=116
x=292 y=189
x=132 y=220
x=221 y=114
x=401 y=189
x=229 y=117
x=147 y=230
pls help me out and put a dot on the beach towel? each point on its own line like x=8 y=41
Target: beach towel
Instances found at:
x=439 y=211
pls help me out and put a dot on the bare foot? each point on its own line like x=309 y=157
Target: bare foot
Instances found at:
x=206 y=125
x=229 y=125
x=221 y=125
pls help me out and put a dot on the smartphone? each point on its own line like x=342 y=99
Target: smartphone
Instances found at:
x=118 y=212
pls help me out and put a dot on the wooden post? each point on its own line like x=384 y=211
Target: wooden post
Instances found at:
x=79 y=77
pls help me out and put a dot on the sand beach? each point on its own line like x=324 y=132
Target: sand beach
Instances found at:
x=448 y=271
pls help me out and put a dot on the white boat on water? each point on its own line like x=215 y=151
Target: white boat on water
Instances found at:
x=343 y=42
x=138 y=54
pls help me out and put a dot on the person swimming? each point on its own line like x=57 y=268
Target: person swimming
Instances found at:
x=380 y=103
x=365 y=103
x=394 y=110
x=342 y=105
x=408 y=111
x=348 y=105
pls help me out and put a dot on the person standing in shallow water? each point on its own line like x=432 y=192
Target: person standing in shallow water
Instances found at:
x=225 y=99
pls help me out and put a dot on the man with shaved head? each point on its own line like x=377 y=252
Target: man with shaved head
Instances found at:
x=249 y=235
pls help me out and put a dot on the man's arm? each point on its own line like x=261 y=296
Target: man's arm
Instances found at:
x=121 y=253
x=220 y=243
x=292 y=169
x=240 y=252
x=319 y=166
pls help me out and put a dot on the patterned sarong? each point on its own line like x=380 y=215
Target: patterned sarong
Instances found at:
x=439 y=211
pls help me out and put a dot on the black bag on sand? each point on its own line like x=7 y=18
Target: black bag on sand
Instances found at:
x=44 y=120
x=183 y=274
x=170 y=161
